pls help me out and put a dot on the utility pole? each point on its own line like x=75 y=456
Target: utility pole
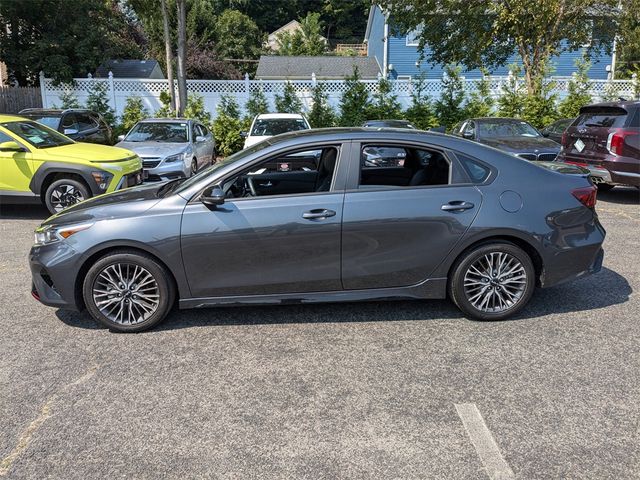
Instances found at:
x=182 y=54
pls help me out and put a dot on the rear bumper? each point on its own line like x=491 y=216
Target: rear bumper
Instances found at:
x=611 y=169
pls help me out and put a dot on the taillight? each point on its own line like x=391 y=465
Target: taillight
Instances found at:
x=586 y=195
x=616 y=139
x=565 y=139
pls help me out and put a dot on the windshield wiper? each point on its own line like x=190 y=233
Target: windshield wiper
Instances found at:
x=169 y=186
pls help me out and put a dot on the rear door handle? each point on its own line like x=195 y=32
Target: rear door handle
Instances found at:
x=457 y=205
x=318 y=213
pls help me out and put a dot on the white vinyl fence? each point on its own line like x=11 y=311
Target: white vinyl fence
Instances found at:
x=119 y=89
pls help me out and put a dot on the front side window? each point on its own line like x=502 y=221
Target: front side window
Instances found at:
x=290 y=173
x=163 y=132
x=276 y=126
x=37 y=135
x=402 y=166
x=488 y=129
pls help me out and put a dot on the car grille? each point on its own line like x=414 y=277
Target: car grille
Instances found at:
x=150 y=163
x=133 y=179
x=528 y=156
x=543 y=157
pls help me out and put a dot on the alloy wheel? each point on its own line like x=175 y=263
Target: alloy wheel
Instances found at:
x=495 y=282
x=126 y=294
x=64 y=196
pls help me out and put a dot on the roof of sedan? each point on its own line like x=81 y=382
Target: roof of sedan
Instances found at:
x=166 y=120
x=358 y=132
x=499 y=120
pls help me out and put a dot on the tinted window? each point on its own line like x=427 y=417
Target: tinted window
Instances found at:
x=85 y=122
x=476 y=170
x=276 y=126
x=69 y=121
x=607 y=117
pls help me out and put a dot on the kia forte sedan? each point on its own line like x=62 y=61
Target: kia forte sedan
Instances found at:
x=455 y=219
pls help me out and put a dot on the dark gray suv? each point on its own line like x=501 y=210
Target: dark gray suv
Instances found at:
x=454 y=218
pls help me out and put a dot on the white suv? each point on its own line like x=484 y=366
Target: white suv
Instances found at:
x=270 y=124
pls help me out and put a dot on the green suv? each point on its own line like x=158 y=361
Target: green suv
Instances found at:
x=38 y=163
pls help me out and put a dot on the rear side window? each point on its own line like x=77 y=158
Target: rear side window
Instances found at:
x=476 y=170
x=603 y=117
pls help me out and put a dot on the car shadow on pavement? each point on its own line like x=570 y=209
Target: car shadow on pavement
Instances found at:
x=23 y=211
x=598 y=291
x=622 y=195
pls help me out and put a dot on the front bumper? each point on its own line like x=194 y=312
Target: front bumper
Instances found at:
x=166 y=171
x=54 y=270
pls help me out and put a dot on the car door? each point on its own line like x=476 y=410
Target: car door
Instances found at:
x=16 y=168
x=396 y=235
x=268 y=244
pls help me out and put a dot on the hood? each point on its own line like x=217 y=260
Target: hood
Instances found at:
x=154 y=149
x=89 y=152
x=250 y=141
x=117 y=204
x=522 y=144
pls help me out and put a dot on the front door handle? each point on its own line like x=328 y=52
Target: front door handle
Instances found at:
x=457 y=205
x=318 y=213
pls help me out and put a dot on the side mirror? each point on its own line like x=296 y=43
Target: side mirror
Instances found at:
x=213 y=196
x=545 y=133
x=70 y=131
x=200 y=139
x=468 y=135
x=120 y=138
x=10 y=147
x=244 y=134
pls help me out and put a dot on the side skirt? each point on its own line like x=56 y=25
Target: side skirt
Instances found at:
x=435 y=288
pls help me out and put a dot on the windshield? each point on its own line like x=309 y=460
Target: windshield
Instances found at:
x=185 y=184
x=51 y=122
x=159 y=132
x=37 y=135
x=506 y=129
x=276 y=126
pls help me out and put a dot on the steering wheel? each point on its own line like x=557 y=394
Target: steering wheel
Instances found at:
x=251 y=186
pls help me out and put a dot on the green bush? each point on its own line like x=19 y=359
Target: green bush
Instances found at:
x=98 y=101
x=511 y=102
x=354 y=102
x=257 y=104
x=578 y=95
x=165 y=111
x=385 y=105
x=288 y=102
x=480 y=103
x=420 y=113
x=227 y=127
x=321 y=114
x=69 y=100
x=450 y=108
x=134 y=111
x=195 y=109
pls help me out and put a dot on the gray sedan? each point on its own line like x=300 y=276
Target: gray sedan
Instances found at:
x=170 y=148
x=456 y=219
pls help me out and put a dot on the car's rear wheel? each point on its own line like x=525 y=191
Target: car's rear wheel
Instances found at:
x=604 y=187
x=65 y=192
x=128 y=291
x=493 y=281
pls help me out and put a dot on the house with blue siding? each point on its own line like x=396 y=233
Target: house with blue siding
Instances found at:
x=399 y=58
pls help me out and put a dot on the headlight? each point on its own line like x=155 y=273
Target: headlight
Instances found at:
x=178 y=157
x=48 y=234
x=102 y=179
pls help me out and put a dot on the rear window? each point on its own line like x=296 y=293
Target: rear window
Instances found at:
x=604 y=117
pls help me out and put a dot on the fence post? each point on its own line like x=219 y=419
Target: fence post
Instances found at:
x=43 y=93
x=313 y=79
x=635 y=85
x=247 y=84
x=112 y=91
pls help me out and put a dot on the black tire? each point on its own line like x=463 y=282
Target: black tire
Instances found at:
x=194 y=167
x=490 y=285
x=151 y=315
x=61 y=193
x=604 y=187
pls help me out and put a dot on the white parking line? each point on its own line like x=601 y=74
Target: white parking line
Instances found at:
x=486 y=447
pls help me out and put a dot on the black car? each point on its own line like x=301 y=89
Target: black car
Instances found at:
x=388 y=124
x=76 y=123
x=556 y=129
x=511 y=135
x=456 y=219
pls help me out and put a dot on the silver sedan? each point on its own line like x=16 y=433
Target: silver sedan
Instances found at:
x=170 y=148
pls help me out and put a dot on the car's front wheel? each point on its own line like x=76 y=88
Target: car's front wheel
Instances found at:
x=128 y=291
x=65 y=192
x=493 y=281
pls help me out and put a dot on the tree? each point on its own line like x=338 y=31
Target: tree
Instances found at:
x=385 y=104
x=487 y=32
x=257 y=104
x=69 y=99
x=511 y=101
x=450 y=108
x=321 y=114
x=288 y=102
x=168 y=53
x=182 y=57
x=307 y=40
x=64 y=40
x=237 y=36
x=578 y=95
x=354 y=101
x=420 y=113
x=480 y=103
x=203 y=62
x=227 y=126
x=134 y=111
x=628 y=41
x=98 y=101
x=195 y=109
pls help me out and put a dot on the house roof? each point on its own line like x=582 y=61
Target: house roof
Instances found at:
x=128 y=68
x=292 y=23
x=273 y=67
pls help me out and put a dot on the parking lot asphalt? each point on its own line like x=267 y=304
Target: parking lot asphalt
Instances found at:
x=368 y=390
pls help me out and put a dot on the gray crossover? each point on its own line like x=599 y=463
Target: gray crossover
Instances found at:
x=304 y=217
